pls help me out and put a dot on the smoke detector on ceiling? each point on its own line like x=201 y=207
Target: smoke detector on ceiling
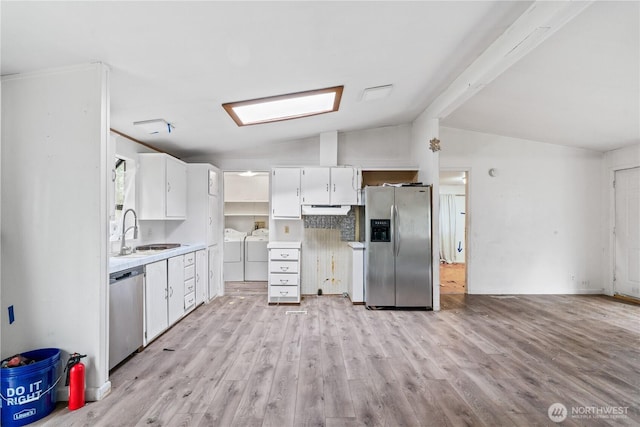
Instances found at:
x=155 y=126
x=377 y=92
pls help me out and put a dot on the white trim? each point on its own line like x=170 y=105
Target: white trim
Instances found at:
x=468 y=266
x=559 y=292
x=611 y=266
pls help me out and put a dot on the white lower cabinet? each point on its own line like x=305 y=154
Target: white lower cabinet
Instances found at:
x=202 y=273
x=171 y=291
x=284 y=272
x=155 y=299
x=214 y=272
x=175 y=274
x=189 y=282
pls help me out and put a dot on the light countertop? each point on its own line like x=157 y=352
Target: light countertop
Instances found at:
x=126 y=262
x=284 y=245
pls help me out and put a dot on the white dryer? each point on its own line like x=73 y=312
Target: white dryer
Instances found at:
x=256 y=255
x=233 y=268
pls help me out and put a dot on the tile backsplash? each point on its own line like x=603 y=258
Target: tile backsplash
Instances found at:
x=346 y=224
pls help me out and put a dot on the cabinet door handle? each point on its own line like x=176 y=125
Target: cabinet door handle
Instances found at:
x=197 y=278
x=283 y=268
x=284 y=293
x=168 y=187
x=284 y=255
x=284 y=281
x=171 y=293
x=327 y=188
x=334 y=188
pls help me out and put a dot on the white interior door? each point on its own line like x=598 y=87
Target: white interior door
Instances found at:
x=626 y=279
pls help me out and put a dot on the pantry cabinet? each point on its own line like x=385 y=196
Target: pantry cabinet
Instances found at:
x=285 y=193
x=162 y=181
x=329 y=186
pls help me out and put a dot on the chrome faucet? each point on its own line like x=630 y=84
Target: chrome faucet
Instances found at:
x=123 y=249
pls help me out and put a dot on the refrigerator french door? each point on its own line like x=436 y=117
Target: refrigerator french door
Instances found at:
x=398 y=246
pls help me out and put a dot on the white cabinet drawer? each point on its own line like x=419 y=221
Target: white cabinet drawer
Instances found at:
x=283 y=254
x=189 y=272
x=189 y=286
x=189 y=300
x=189 y=259
x=283 y=291
x=283 y=279
x=283 y=267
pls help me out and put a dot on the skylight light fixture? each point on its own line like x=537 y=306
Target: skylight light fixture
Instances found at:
x=285 y=107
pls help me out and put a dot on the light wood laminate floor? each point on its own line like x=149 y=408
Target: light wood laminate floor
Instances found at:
x=481 y=361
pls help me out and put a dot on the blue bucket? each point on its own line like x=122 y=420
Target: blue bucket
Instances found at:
x=28 y=392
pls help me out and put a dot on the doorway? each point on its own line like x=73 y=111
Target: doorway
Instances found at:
x=453 y=231
x=246 y=234
x=626 y=276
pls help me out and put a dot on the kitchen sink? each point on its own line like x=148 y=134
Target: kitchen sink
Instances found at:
x=146 y=250
x=157 y=247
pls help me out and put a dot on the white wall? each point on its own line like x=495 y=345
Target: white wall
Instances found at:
x=385 y=146
x=535 y=227
x=388 y=146
x=623 y=158
x=54 y=216
x=424 y=129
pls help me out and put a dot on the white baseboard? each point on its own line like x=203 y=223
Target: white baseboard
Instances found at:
x=91 y=394
x=556 y=292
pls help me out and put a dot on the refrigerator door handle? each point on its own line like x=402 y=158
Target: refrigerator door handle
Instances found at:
x=392 y=229
x=396 y=232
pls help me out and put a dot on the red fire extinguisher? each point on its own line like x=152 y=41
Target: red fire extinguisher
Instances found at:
x=75 y=381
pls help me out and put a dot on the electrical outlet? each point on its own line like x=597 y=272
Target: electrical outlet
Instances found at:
x=286 y=229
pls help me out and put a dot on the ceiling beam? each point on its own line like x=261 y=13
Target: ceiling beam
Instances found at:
x=535 y=25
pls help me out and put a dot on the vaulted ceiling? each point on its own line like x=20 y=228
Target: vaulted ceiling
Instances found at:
x=180 y=61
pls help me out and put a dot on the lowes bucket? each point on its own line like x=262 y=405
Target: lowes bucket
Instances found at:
x=28 y=393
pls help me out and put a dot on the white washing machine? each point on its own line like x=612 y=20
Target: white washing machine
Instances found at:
x=256 y=256
x=233 y=268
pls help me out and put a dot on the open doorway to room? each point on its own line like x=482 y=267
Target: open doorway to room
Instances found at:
x=246 y=233
x=453 y=232
x=626 y=236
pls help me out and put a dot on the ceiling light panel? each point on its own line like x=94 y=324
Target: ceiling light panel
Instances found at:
x=285 y=107
x=378 y=92
x=154 y=126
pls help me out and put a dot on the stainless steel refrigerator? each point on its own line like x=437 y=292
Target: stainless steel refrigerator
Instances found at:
x=398 y=247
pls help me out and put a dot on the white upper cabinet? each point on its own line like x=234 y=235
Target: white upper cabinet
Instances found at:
x=163 y=187
x=285 y=193
x=344 y=186
x=315 y=185
x=329 y=186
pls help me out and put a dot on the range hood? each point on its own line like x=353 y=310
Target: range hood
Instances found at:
x=325 y=209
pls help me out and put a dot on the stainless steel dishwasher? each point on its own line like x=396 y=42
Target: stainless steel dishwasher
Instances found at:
x=125 y=313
